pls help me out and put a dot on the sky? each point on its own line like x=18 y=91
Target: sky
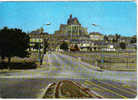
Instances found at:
x=110 y=17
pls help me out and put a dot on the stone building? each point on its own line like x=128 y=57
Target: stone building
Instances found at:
x=72 y=29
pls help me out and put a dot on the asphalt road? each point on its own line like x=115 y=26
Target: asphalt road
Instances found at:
x=31 y=83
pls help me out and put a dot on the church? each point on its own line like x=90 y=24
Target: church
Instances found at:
x=72 y=29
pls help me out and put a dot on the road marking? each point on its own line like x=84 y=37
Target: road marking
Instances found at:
x=106 y=89
x=128 y=87
x=116 y=87
x=97 y=89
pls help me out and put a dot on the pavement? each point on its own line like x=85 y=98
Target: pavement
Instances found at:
x=56 y=67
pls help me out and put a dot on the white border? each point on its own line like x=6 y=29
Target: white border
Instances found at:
x=84 y=0
x=68 y=0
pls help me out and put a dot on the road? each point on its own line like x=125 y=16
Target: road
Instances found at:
x=31 y=83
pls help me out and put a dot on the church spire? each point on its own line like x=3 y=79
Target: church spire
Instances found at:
x=70 y=16
x=73 y=21
x=69 y=22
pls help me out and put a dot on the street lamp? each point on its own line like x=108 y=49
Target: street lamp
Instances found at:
x=102 y=54
x=47 y=25
x=44 y=41
x=40 y=55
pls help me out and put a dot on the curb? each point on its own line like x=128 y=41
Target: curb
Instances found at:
x=45 y=90
x=56 y=92
x=91 y=93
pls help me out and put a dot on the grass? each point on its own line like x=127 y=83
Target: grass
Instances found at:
x=72 y=91
x=113 y=61
x=18 y=63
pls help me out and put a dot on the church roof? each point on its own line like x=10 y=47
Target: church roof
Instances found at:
x=73 y=21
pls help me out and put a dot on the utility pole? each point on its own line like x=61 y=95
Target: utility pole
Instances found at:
x=71 y=32
x=127 y=59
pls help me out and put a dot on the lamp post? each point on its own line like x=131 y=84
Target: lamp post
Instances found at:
x=40 y=54
x=102 y=54
x=44 y=43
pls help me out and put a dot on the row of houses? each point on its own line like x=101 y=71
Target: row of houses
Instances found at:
x=91 y=45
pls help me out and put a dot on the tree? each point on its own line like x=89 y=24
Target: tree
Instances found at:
x=133 y=39
x=64 y=46
x=76 y=47
x=37 y=46
x=106 y=38
x=13 y=42
x=117 y=36
x=114 y=40
x=122 y=45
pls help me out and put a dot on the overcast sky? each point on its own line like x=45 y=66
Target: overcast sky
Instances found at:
x=110 y=17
